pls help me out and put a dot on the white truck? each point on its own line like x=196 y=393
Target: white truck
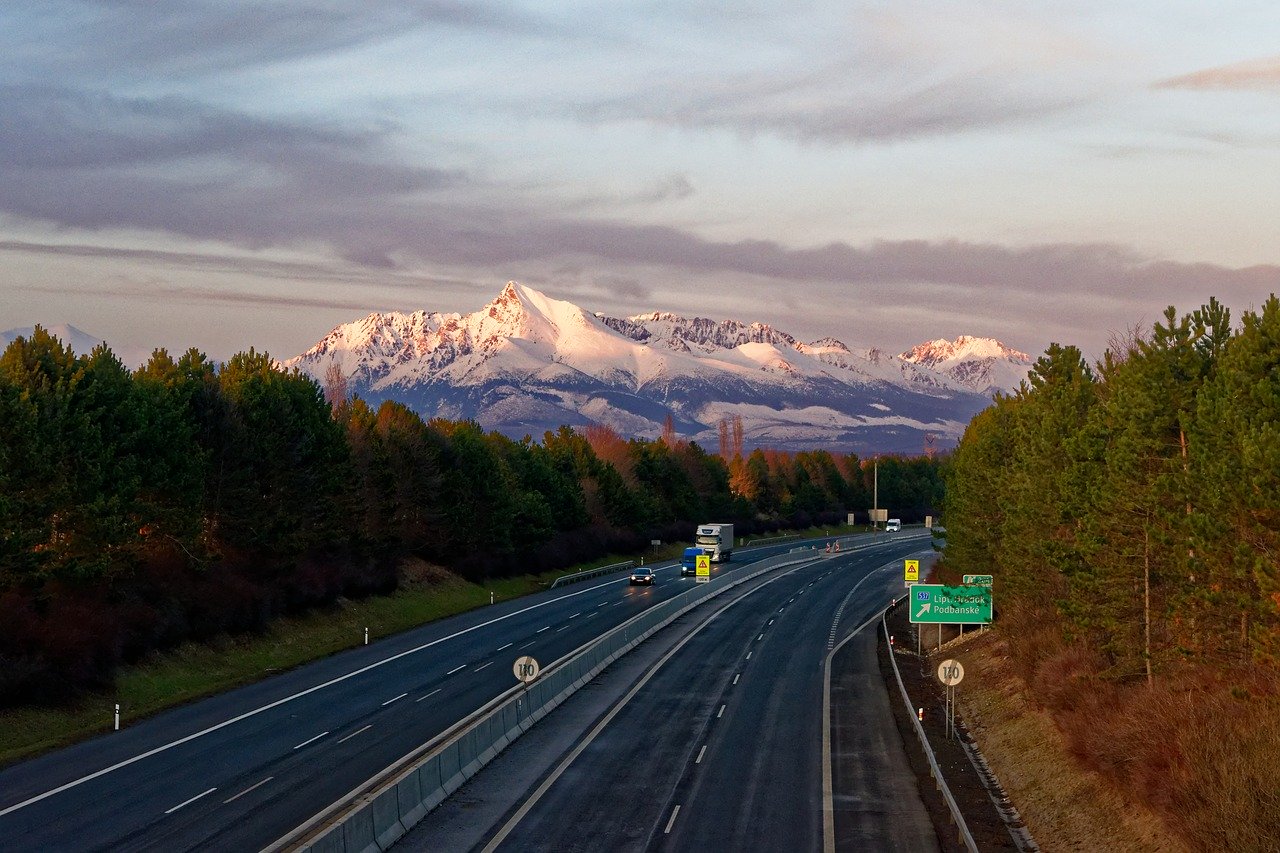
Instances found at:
x=716 y=540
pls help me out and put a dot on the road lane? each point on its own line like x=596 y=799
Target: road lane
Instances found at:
x=721 y=749
x=117 y=791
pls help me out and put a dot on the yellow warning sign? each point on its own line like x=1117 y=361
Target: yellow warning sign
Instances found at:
x=702 y=565
x=912 y=570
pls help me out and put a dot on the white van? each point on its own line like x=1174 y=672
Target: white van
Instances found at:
x=893 y=525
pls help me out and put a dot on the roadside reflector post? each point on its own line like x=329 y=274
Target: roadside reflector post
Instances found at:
x=491 y=596
x=366 y=636
x=117 y=716
x=920 y=714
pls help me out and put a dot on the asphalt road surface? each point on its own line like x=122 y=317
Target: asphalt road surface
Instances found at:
x=239 y=770
x=718 y=744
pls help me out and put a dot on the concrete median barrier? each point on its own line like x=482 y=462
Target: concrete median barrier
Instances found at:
x=373 y=821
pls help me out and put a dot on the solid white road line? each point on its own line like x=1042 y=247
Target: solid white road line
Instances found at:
x=828 y=805
x=277 y=703
x=305 y=742
x=190 y=801
x=496 y=840
x=701 y=753
x=356 y=732
x=456 y=669
x=398 y=698
x=671 y=822
x=248 y=789
x=482 y=666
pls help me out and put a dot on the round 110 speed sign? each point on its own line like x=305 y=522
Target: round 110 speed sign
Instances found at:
x=526 y=669
x=950 y=672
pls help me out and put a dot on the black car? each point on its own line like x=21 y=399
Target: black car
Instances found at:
x=642 y=576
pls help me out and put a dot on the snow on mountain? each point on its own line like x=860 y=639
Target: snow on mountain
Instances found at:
x=81 y=343
x=526 y=363
x=984 y=365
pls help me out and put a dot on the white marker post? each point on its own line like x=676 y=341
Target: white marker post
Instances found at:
x=366 y=636
x=117 y=716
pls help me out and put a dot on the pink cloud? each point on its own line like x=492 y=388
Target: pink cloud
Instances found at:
x=1253 y=74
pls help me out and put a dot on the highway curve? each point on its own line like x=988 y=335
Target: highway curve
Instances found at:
x=718 y=743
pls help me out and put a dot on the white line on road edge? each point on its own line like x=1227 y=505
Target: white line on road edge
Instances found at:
x=190 y=801
x=429 y=695
x=482 y=666
x=305 y=742
x=247 y=714
x=356 y=732
x=828 y=807
x=398 y=698
x=247 y=790
x=671 y=822
x=542 y=789
x=456 y=669
x=701 y=753
x=507 y=646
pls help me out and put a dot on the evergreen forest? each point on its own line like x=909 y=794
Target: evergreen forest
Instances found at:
x=190 y=499
x=1129 y=513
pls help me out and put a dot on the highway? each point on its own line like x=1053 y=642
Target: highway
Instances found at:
x=718 y=744
x=239 y=770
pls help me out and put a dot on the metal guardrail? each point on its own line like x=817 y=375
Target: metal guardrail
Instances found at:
x=591 y=573
x=382 y=810
x=770 y=539
x=966 y=838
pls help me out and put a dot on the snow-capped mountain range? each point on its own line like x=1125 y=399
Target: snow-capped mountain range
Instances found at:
x=527 y=363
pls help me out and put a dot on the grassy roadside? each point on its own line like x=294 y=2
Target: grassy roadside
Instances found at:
x=195 y=670
x=1065 y=806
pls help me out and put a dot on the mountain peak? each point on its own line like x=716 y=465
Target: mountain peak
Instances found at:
x=980 y=364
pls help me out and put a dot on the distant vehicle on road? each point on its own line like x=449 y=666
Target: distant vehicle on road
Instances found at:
x=642 y=576
x=893 y=525
x=689 y=562
x=716 y=540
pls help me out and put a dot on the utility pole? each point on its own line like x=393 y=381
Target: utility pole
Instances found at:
x=875 y=493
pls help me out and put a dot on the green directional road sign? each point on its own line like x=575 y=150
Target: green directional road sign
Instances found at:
x=978 y=580
x=935 y=603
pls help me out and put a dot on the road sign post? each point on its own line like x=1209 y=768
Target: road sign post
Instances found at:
x=950 y=673
x=949 y=605
x=702 y=568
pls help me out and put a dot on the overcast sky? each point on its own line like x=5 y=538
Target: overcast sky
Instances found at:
x=227 y=174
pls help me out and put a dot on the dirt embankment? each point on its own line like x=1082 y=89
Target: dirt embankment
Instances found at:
x=1064 y=806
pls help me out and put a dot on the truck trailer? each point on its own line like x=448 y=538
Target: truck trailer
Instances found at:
x=716 y=540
